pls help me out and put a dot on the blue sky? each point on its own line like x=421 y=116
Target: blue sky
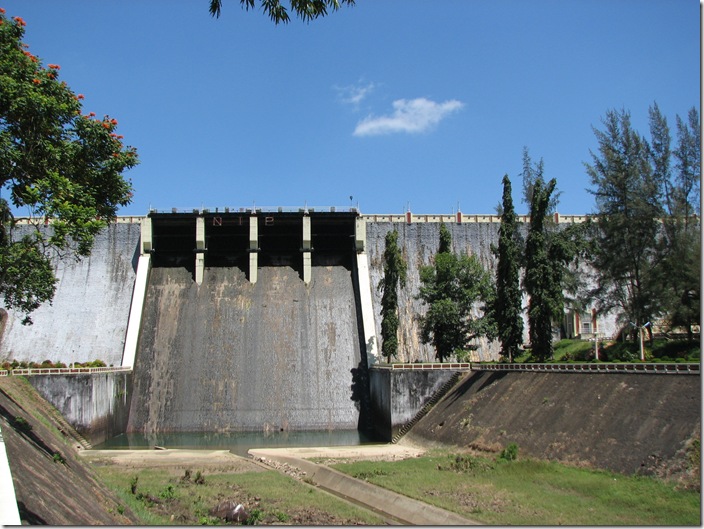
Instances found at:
x=413 y=104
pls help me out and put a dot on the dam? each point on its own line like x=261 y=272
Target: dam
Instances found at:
x=242 y=319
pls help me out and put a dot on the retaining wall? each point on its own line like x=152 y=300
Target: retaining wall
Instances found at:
x=96 y=405
x=397 y=395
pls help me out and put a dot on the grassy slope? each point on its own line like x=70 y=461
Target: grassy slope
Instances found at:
x=531 y=492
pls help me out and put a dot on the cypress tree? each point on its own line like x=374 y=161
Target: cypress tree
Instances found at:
x=394 y=277
x=507 y=305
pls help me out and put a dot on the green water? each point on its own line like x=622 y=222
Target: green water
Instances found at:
x=236 y=442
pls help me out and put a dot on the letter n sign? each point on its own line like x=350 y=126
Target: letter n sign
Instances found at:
x=217 y=221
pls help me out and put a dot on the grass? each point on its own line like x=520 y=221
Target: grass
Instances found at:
x=661 y=350
x=531 y=492
x=163 y=498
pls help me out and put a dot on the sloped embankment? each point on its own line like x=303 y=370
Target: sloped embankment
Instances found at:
x=53 y=486
x=621 y=422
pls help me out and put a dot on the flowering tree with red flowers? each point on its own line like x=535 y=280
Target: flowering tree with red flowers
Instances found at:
x=64 y=167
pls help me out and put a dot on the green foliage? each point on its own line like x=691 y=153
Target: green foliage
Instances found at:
x=168 y=492
x=395 y=270
x=541 y=284
x=506 y=309
x=61 y=165
x=451 y=289
x=254 y=518
x=22 y=425
x=510 y=453
x=306 y=10
x=133 y=484
x=647 y=251
x=466 y=464
x=58 y=458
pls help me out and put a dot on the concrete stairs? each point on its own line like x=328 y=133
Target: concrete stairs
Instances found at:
x=439 y=394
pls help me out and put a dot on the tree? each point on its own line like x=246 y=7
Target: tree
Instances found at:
x=507 y=304
x=544 y=300
x=532 y=174
x=394 y=277
x=63 y=166
x=628 y=193
x=451 y=289
x=679 y=256
x=307 y=10
x=549 y=251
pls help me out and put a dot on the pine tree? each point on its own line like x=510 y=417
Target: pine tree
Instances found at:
x=628 y=191
x=507 y=305
x=395 y=269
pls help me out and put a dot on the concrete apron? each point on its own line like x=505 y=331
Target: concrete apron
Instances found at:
x=401 y=508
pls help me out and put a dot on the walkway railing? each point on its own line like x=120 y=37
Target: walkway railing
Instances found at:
x=62 y=371
x=645 y=368
x=461 y=366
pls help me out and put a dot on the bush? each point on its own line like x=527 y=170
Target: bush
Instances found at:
x=22 y=425
x=510 y=453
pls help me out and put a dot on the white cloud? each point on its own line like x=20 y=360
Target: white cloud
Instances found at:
x=412 y=116
x=355 y=94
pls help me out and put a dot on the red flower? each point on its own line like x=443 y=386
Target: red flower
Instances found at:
x=92 y=114
x=54 y=66
x=80 y=96
x=2 y=10
x=113 y=121
x=36 y=81
x=20 y=21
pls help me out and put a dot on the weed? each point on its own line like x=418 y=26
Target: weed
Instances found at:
x=367 y=474
x=22 y=425
x=254 y=517
x=58 y=458
x=121 y=509
x=282 y=516
x=510 y=453
x=133 y=484
x=168 y=492
x=466 y=464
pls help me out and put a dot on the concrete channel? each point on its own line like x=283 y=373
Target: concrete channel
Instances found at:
x=397 y=507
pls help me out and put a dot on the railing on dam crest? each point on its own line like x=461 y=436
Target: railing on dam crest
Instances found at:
x=644 y=368
x=62 y=371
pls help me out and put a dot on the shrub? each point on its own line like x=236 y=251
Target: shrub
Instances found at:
x=510 y=453
x=22 y=425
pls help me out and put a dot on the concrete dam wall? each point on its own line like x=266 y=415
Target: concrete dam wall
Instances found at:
x=419 y=242
x=230 y=355
x=88 y=317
